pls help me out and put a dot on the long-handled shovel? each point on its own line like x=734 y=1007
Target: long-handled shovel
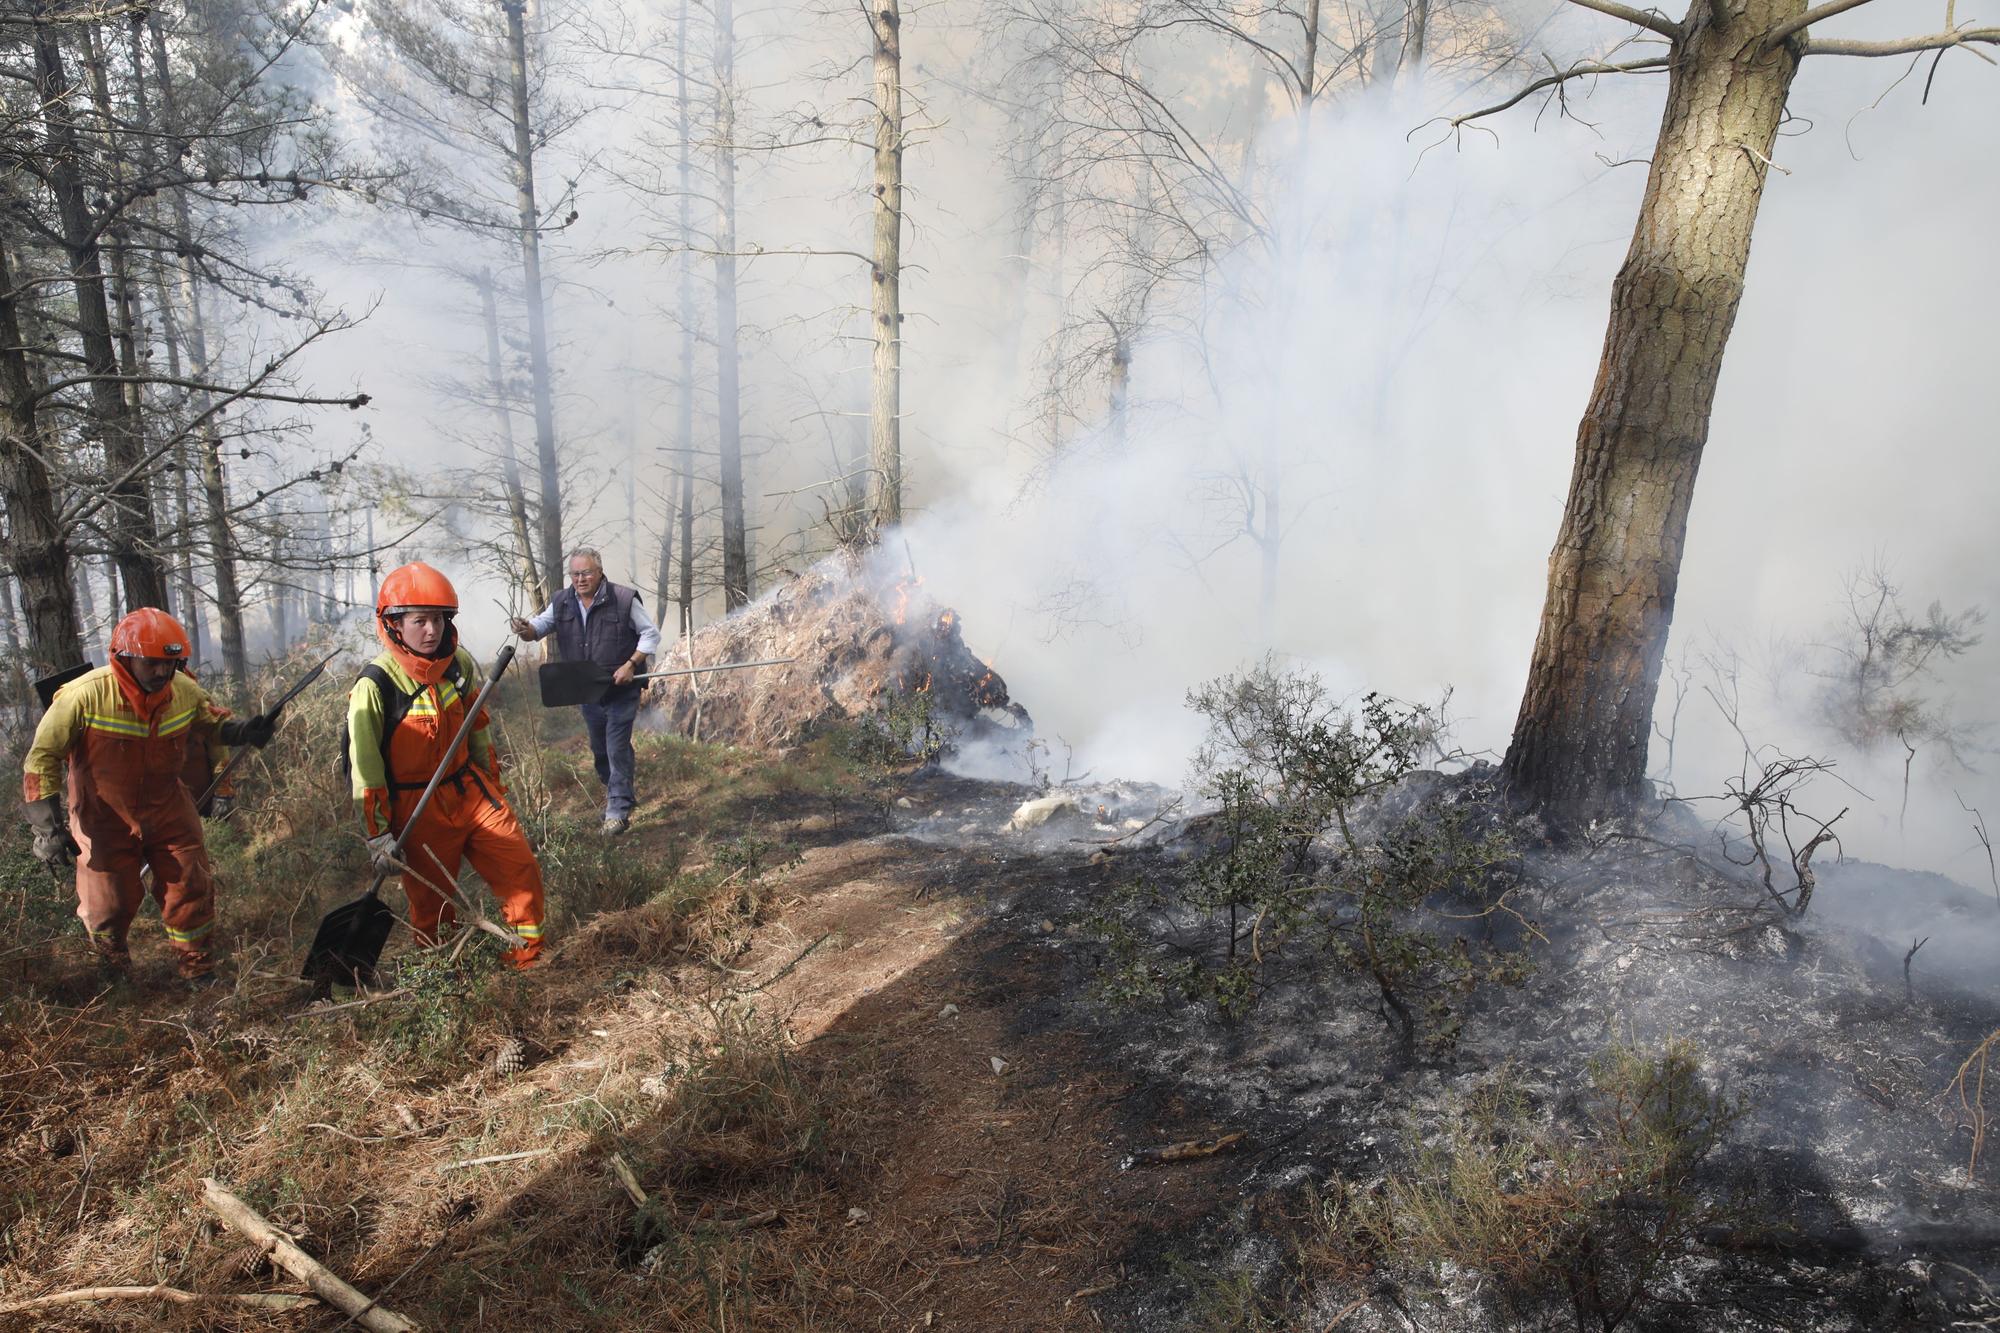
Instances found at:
x=349 y=941
x=565 y=684
x=243 y=752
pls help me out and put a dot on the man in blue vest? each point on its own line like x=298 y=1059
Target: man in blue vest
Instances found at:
x=596 y=620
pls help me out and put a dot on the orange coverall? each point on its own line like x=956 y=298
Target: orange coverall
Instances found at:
x=126 y=753
x=468 y=817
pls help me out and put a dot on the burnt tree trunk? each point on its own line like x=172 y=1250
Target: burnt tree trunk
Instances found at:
x=37 y=547
x=1579 y=745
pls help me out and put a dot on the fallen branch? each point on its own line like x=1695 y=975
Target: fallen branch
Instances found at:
x=786 y=970
x=396 y=994
x=763 y=1219
x=262 y=1300
x=1182 y=1152
x=462 y=903
x=629 y=1179
x=239 y=1217
x=502 y=1157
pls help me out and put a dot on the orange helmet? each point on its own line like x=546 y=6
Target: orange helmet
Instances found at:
x=150 y=632
x=412 y=586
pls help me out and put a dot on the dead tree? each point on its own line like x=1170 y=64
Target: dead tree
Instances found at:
x=1580 y=741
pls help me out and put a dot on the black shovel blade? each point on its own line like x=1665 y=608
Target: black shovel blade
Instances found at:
x=567 y=684
x=349 y=942
x=46 y=687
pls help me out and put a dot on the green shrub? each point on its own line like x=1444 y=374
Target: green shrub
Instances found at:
x=1301 y=860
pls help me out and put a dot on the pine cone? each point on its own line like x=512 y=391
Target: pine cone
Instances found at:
x=512 y=1057
x=250 y=1262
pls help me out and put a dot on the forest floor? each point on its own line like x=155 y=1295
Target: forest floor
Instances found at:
x=838 y=1023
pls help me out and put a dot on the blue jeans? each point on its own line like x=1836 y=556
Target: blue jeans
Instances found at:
x=610 y=726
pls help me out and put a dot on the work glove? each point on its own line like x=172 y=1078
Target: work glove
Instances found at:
x=52 y=842
x=256 y=731
x=382 y=851
x=221 y=807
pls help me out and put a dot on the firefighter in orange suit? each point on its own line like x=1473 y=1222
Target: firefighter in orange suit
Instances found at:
x=401 y=714
x=123 y=732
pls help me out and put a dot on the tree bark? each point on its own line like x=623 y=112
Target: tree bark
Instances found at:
x=133 y=532
x=193 y=331
x=529 y=221
x=539 y=588
x=37 y=547
x=729 y=404
x=885 y=401
x=1579 y=745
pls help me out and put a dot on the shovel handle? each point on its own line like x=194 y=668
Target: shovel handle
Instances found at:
x=500 y=665
x=243 y=751
x=724 y=666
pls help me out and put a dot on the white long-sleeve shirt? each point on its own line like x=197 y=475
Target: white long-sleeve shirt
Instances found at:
x=642 y=621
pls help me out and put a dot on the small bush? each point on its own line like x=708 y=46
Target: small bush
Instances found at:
x=907 y=727
x=449 y=994
x=1303 y=860
x=1595 y=1216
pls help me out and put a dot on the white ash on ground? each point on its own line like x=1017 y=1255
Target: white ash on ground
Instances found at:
x=859 y=646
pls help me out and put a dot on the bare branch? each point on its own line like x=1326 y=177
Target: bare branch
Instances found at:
x=1583 y=69
x=1653 y=18
x=1903 y=46
x=1807 y=19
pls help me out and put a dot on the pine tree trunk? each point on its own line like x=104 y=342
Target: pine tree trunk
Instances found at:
x=685 y=426
x=728 y=392
x=1579 y=745
x=539 y=588
x=133 y=531
x=528 y=219
x=194 y=334
x=37 y=546
x=885 y=399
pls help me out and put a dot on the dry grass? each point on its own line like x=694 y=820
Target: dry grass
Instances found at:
x=1504 y=1191
x=341 y=1128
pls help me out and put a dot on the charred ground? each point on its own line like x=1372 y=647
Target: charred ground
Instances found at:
x=846 y=1024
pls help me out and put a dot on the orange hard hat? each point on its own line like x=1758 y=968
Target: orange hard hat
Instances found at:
x=415 y=585
x=150 y=632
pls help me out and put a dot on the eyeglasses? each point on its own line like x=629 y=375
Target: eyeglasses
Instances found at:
x=585 y=574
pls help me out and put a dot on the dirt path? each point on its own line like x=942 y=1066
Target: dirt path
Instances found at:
x=997 y=1197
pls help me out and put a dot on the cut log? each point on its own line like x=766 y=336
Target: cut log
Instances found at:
x=239 y=1217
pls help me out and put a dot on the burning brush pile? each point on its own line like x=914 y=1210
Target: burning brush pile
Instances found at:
x=879 y=652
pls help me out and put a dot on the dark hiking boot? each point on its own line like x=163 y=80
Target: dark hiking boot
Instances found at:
x=113 y=958
x=196 y=967
x=616 y=826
